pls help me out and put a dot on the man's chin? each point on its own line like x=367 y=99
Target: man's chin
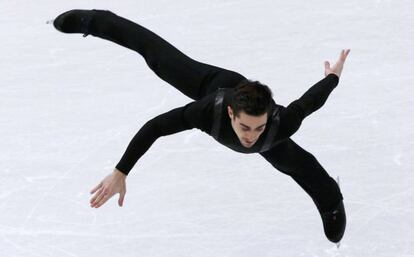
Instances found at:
x=247 y=145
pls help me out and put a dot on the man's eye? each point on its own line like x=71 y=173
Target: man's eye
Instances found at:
x=260 y=129
x=245 y=129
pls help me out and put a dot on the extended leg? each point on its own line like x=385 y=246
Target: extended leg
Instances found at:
x=291 y=159
x=190 y=77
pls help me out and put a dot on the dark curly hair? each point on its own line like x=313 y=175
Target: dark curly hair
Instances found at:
x=252 y=97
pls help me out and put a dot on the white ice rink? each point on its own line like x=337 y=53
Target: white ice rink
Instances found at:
x=70 y=105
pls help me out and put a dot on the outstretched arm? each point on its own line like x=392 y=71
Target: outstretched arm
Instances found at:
x=192 y=115
x=314 y=98
x=165 y=124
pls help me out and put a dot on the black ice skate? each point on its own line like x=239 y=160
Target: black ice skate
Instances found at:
x=334 y=222
x=74 y=21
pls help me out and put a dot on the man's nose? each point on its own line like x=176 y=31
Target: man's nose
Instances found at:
x=250 y=135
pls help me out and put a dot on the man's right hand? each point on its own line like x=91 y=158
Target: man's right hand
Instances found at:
x=112 y=184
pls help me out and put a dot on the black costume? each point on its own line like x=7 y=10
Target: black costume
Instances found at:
x=208 y=111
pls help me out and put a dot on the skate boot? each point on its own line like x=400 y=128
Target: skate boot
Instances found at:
x=74 y=21
x=334 y=222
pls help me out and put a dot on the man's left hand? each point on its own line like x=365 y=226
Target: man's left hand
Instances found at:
x=339 y=65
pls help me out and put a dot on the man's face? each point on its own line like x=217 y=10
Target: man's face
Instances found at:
x=248 y=128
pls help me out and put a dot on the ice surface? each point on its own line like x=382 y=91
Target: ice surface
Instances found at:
x=70 y=105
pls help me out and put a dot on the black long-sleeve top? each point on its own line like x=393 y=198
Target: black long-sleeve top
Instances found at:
x=200 y=114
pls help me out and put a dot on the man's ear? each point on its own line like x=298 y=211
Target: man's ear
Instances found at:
x=230 y=112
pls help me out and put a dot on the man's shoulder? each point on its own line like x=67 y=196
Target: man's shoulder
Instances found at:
x=209 y=101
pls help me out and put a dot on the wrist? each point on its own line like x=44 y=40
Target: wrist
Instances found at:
x=334 y=75
x=117 y=173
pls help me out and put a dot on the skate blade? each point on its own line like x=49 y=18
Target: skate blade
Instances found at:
x=338 y=245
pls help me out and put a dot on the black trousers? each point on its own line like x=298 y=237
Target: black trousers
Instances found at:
x=304 y=168
x=195 y=80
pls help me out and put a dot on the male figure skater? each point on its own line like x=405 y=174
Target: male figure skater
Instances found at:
x=237 y=112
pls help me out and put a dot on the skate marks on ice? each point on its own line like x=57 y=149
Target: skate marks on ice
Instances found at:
x=61 y=178
x=397 y=159
x=24 y=239
x=113 y=137
x=17 y=237
x=383 y=205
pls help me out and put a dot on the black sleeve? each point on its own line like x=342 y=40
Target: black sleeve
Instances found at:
x=313 y=99
x=192 y=115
